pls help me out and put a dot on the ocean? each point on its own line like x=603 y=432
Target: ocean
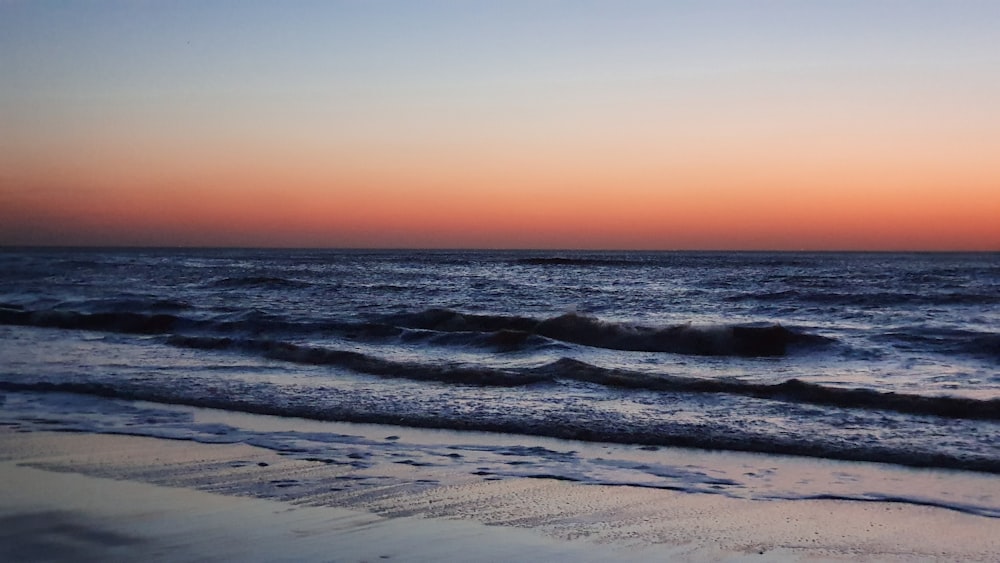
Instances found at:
x=891 y=359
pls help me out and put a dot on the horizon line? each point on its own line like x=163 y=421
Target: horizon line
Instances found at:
x=5 y=247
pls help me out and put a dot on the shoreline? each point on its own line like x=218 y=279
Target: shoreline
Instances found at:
x=179 y=500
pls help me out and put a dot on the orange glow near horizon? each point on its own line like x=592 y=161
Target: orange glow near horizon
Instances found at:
x=693 y=208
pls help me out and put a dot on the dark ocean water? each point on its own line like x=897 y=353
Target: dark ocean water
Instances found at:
x=851 y=356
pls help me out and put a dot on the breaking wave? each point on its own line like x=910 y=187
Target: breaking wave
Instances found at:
x=747 y=341
x=362 y=363
x=495 y=332
x=257 y=334
x=791 y=390
x=554 y=424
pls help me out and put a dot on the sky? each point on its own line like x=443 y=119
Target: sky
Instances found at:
x=815 y=125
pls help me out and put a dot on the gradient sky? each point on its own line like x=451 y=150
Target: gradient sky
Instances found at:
x=514 y=124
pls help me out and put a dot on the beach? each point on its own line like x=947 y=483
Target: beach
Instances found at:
x=499 y=281
x=336 y=405
x=80 y=496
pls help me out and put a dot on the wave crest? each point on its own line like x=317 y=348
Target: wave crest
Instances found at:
x=554 y=425
x=362 y=363
x=733 y=340
x=791 y=390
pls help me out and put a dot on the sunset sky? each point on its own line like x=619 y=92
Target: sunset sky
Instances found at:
x=506 y=124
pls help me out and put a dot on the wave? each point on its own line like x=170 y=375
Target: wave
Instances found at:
x=876 y=299
x=499 y=341
x=493 y=332
x=256 y=323
x=130 y=322
x=134 y=304
x=362 y=363
x=262 y=282
x=133 y=323
x=747 y=341
x=554 y=424
x=946 y=340
x=791 y=390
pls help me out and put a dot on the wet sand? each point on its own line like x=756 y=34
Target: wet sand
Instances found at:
x=78 y=496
